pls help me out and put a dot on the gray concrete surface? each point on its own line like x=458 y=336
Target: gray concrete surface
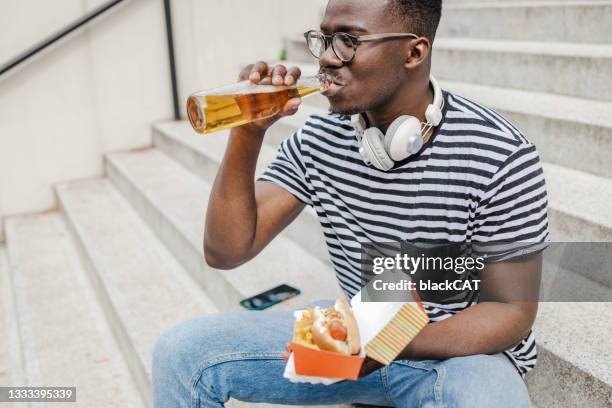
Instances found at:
x=574 y=355
x=565 y=21
x=66 y=341
x=129 y=264
x=173 y=202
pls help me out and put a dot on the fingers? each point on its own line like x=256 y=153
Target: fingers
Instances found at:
x=287 y=352
x=258 y=71
x=293 y=75
x=246 y=71
x=278 y=75
x=283 y=76
x=291 y=107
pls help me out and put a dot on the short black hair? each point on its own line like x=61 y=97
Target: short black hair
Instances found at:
x=420 y=16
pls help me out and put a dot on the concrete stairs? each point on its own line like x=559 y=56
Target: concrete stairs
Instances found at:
x=86 y=290
x=64 y=340
x=11 y=363
x=162 y=184
x=528 y=20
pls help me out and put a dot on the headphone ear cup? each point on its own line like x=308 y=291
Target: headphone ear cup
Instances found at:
x=374 y=149
x=403 y=138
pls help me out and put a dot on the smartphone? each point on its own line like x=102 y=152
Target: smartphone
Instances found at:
x=270 y=297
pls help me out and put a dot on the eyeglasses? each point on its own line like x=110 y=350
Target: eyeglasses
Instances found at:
x=344 y=45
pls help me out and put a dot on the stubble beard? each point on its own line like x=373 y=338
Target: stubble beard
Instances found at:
x=379 y=101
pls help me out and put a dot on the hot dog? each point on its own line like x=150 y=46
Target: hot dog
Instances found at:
x=333 y=329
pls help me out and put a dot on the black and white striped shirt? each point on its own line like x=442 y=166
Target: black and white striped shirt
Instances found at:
x=478 y=179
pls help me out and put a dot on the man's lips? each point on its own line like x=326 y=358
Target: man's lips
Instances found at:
x=333 y=86
x=332 y=89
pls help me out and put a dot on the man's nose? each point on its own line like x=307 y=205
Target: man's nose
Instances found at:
x=329 y=58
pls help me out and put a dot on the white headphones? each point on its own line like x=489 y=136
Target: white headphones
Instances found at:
x=403 y=138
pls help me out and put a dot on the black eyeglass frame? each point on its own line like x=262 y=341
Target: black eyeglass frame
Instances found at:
x=328 y=39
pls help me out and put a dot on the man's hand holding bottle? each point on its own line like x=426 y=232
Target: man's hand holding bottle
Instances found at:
x=262 y=74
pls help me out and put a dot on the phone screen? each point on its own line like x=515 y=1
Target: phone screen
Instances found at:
x=270 y=297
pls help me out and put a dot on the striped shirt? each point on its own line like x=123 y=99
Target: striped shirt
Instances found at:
x=478 y=179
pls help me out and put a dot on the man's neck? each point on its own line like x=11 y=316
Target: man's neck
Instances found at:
x=412 y=101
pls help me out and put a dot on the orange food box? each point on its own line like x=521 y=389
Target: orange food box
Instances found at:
x=386 y=334
x=319 y=363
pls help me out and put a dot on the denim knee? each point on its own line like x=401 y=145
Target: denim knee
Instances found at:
x=483 y=381
x=171 y=371
x=166 y=352
x=176 y=351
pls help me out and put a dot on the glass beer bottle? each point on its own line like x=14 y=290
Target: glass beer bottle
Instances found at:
x=234 y=105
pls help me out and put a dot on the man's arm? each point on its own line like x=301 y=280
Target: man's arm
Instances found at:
x=506 y=312
x=243 y=215
x=507 y=309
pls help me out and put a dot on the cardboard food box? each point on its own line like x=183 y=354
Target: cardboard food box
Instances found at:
x=385 y=330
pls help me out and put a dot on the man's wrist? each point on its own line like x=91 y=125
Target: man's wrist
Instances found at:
x=408 y=352
x=248 y=132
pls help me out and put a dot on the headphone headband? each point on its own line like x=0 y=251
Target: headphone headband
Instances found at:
x=433 y=113
x=404 y=136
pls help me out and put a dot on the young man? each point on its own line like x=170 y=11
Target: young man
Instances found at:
x=476 y=179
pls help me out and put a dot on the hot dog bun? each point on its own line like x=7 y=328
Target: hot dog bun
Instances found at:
x=342 y=315
x=353 y=339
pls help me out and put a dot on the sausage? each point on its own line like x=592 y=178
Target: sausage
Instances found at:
x=337 y=330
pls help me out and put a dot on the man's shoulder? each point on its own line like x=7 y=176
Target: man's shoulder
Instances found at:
x=483 y=126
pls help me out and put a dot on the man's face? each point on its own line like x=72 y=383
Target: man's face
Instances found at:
x=372 y=78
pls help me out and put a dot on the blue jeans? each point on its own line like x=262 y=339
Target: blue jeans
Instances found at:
x=204 y=362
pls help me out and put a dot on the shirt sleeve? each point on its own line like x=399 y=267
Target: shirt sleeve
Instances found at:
x=511 y=219
x=288 y=170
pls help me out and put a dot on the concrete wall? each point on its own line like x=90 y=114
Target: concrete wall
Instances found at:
x=213 y=38
x=100 y=89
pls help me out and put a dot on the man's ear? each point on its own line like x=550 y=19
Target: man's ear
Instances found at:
x=418 y=52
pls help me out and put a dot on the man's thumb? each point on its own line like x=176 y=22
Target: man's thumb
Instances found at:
x=291 y=106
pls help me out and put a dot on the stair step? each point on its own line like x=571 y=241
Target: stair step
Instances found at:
x=11 y=366
x=574 y=357
x=179 y=141
x=502 y=3
x=202 y=155
x=5 y=320
x=563 y=283
x=65 y=339
x=527 y=65
x=144 y=289
x=571 y=132
x=173 y=202
x=565 y=21
x=579 y=205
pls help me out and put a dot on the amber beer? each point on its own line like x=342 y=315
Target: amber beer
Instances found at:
x=244 y=102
